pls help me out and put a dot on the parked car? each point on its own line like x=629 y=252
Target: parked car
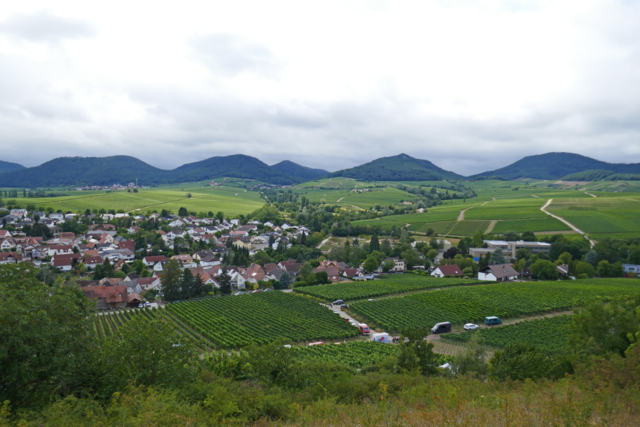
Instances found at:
x=343 y=306
x=370 y=299
x=338 y=302
x=441 y=328
x=492 y=320
x=470 y=327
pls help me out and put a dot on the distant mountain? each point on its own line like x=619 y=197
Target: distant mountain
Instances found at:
x=71 y=171
x=235 y=166
x=9 y=167
x=601 y=175
x=556 y=166
x=301 y=172
x=397 y=168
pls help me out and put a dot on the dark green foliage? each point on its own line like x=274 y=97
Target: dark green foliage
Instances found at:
x=556 y=166
x=9 y=167
x=225 y=282
x=397 y=168
x=301 y=172
x=526 y=361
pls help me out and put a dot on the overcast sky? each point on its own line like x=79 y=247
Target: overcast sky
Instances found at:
x=470 y=86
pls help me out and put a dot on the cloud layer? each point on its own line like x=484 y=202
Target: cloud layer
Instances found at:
x=470 y=86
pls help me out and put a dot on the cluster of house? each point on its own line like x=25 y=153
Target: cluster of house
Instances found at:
x=112 y=187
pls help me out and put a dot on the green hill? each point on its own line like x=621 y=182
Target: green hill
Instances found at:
x=9 y=167
x=397 y=168
x=557 y=166
x=235 y=166
x=71 y=171
x=301 y=172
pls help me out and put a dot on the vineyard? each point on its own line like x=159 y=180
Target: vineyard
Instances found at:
x=386 y=285
x=109 y=324
x=354 y=354
x=261 y=318
x=550 y=332
x=468 y=228
x=472 y=304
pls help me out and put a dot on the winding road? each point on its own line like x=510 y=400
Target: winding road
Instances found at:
x=543 y=209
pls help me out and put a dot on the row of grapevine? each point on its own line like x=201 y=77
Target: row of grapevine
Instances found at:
x=386 y=285
x=109 y=323
x=472 y=304
x=550 y=332
x=237 y=321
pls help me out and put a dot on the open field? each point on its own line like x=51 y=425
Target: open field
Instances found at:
x=439 y=227
x=472 y=304
x=391 y=284
x=549 y=332
x=535 y=225
x=468 y=228
x=599 y=215
x=219 y=199
x=236 y=321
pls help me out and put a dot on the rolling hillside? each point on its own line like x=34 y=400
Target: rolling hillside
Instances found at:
x=235 y=166
x=301 y=172
x=397 y=168
x=558 y=165
x=9 y=167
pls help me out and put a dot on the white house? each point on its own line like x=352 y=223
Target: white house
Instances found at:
x=60 y=250
x=631 y=268
x=498 y=273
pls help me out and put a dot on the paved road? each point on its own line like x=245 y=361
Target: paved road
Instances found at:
x=341 y=312
x=543 y=209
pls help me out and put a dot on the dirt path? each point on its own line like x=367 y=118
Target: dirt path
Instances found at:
x=542 y=233
x=592 y=195
x=461 y=215
x=533 y=195
x=323 y=242
x=340 y=199
x=484 y=203
x=492 y=224
x=543 y=209
x=493 y=198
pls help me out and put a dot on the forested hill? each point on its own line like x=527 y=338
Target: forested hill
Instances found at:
x=235 y=166
x=81 y=171
x=9 y=167
x=302 y=172
x=556 y=166
x=397 y=168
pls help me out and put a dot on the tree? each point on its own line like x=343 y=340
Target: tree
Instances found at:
x=564 y=258
x=430 y=254
x=472 y=360
x=523 y=253
x=585 y=268
x=46 y=335
x=170 y=279
x=477 y=239
x=186 y=284
x=375 y=243
x=183 y=212
x=604 y=268
x=510 y=236
x=322 y=278
x=371 y=264
x=411 y=258
x=528 y=236
x=385 y=247
x=433 y=242
x=591 y=257
x=601 y=328
x=497 y=257
x=198 y=285
x=151 y=353
x=415 y=353
x=285 y=280
x=544 y=270
x=388 y=265
x=617 y=270
x=220 y=216
x=430 y=232
x=519 y=362
x=225 y=282
x=272 y=240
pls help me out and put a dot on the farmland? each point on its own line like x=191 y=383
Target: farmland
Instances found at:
x=468 y=228
x=220 y=199
x=353 y=354
x=535 y=225
x=392 y=284
x=550 y=332
x=472 y=304
x=600 y=215
x=241 y=320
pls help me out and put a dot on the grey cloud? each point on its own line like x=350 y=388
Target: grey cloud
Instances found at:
x=45 y=27
x=231 y=55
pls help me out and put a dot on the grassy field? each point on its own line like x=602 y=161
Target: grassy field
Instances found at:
x=472 y=304
x=468 y=228
x=231 y=201
x=600 y=215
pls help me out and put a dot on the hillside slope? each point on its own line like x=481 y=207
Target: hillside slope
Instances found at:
x=397 y=168
x=556 y=166
x=9 y=167
x=302 y=172
x=234 y=166
x=71 y=171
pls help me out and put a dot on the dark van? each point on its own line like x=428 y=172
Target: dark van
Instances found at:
x=492 y=320
x=441 y=328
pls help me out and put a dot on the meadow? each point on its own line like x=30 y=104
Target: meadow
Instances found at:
x=472 y=304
